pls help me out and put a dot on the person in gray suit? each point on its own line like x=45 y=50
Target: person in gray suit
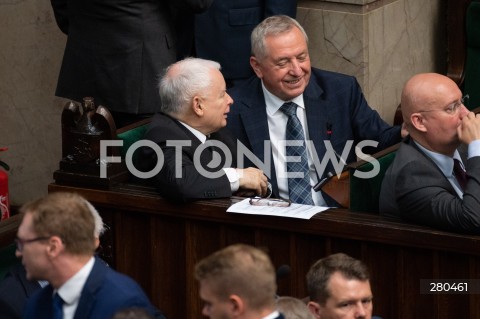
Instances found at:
x=428 y=182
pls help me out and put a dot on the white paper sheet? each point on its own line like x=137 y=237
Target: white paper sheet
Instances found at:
x=294 y=210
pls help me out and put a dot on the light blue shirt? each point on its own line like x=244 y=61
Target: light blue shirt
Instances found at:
x=277 y=122
x=445 y=163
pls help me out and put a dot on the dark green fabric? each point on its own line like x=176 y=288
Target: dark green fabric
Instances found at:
x=364 y=193
x=131 y=136
x=7 y=259
x=472 y=67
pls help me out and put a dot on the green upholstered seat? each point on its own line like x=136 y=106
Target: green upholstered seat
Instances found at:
x=364 y=193
x=131 y=136
x=7 y=259
x=472 y=66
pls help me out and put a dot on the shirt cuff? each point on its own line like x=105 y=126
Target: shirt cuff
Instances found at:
x=233 y=178
x=474 y=149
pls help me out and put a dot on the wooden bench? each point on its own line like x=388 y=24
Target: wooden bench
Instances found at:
x=158 y=243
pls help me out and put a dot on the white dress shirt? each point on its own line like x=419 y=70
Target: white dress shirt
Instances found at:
x=71 y=290
x=273 y=315
x=277 y=123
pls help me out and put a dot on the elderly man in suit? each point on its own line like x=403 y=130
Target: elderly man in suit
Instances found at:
x=195 y=108
x=428 y=182
x=55 y=243
x=290 y=101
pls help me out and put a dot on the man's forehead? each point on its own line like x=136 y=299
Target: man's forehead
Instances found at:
x=26 y=225
x=339 y=286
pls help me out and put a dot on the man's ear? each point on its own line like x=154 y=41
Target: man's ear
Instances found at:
x=197 y=106
x=314 y=309
x=237 y=306
x=417 y=121
x=256 y=67
x=55 y=246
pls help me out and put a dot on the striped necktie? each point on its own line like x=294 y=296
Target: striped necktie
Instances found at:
x=460 y=174
x=299 y=188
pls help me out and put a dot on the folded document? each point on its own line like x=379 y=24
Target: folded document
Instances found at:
x=294 y=210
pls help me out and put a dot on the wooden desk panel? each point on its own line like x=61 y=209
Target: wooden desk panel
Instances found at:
x=158 y=243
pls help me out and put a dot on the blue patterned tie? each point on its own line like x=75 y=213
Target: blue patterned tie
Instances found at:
x=57 y=307
x=299 y=188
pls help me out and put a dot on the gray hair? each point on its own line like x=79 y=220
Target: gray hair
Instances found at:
x=182 y=81
x=99 y=225
x=272 y=26
x=293 y=308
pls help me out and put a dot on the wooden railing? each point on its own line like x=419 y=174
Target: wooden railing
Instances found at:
x=158 y=243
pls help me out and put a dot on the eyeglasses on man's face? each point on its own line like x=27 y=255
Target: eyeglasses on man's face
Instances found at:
x=453 y=107
x=20 y=243
x=274 y=202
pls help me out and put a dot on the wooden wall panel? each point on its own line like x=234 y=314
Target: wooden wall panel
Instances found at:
x=158 y=244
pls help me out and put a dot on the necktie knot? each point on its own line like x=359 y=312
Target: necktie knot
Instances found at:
x=289 y=108
x=459 y=173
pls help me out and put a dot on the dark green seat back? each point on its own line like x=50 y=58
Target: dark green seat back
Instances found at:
x=131 y=136
x=472 y=65
x=364 y=193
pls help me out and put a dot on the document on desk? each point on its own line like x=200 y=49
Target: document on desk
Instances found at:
x=294 y=210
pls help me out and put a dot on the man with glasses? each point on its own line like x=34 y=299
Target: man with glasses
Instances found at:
x=15 y=288
x=428 y=182
x=56 y=244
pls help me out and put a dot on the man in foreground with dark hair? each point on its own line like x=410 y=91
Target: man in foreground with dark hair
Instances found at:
x=339 y=288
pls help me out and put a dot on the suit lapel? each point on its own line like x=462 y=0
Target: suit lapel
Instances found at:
x=45 y=302
x=89 y=291
x=319 y=115
x=255 y=122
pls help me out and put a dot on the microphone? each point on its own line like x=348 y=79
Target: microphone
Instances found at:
x=283 y=271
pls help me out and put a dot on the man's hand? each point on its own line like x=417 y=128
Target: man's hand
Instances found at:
x=469 y=130
x=253 y=180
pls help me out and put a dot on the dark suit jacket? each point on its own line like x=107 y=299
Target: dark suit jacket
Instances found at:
x=416 y=190
x=222 y=33
x=115 y=51
x=15 y=289
x=332 y=100
x=192 y=185
x=105 y=292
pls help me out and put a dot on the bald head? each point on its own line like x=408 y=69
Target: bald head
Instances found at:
x=424 y=91
x=433 y=110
